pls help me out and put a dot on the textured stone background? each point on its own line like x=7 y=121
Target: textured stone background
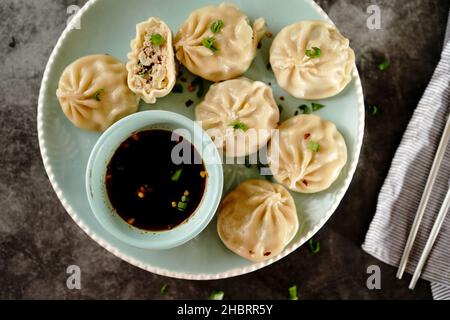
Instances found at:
x=38 y=240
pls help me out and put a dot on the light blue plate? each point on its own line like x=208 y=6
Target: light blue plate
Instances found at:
x=107 y=26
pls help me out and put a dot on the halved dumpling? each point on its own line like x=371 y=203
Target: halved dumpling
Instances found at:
x=151 y=63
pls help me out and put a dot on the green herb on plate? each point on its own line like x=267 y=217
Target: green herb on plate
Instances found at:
x=316 y=106
x=305 y=109
x=313 y=53
x=157 y=39
x=293 y=293
x=97 y=94
x=216 y=295
x=313 y=146
x=237 y=125
x=216 y=26
x=314 y=245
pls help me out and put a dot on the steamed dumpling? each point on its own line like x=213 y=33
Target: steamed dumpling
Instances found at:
x=93 y=92
x=308 y=154
x=151 y=65
x=303 y=75
x=224 y=53
x=257 y=220
x=239 y=114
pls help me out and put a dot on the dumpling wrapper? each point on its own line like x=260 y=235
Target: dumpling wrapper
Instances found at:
x=93 y=92
x=239 y=102
x=257 y=220
x=159 y=60
x=236 y=42
x=306 y=77
x=297 y=166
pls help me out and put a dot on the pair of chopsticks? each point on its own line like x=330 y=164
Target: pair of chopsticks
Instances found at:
x=420 y=211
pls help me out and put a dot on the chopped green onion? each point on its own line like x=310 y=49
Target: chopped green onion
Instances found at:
x=313 y=53
x=198 y=83
x=97 y=93
x=293 y=293
x=305 y=109
x=316 y=106
x=237 y=125
x=216 y=26
x=373 y=110
x=163 y=289
x=314 y=245
x=384 y=65
x=178 y=88
x=313 y=146
x=209 y=43
x=184 y=199
x=157 y=39
x=176 y=176
x=216 y=295
x=182 y=206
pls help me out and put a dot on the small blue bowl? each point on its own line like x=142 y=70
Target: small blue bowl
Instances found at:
x=102 y=153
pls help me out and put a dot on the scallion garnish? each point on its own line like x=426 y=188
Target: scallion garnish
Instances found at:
x=97 y=93
x=157 y=39
x=181 y=206
x=384 y=65
x=163 y=289
x=305 y=109
x=237 y=125
x=313 y=146
x=209 y=43
x=293 y=293
x=314 y=245
x=216 y=26
x=176 y=176
x=373 y=110
x=316 y=106
x=216 y=295
x=313 y=53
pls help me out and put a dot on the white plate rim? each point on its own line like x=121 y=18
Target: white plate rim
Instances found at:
x=181 y=275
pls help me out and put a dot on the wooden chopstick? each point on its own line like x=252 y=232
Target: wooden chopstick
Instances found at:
x=431 y=238
x=425 y=197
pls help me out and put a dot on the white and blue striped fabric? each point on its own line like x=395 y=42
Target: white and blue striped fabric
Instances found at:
x=401 y=192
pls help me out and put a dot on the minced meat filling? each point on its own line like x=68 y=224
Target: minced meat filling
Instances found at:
x=151 y=72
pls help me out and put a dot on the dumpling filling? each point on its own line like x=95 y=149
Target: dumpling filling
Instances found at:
x=151 y=73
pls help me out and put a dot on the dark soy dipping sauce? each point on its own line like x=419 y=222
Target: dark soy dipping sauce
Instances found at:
x=147 y=189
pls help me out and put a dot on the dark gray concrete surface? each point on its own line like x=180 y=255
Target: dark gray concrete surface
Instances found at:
x=38 y=240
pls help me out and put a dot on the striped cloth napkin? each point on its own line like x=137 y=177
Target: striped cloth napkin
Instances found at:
x=404 y=185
